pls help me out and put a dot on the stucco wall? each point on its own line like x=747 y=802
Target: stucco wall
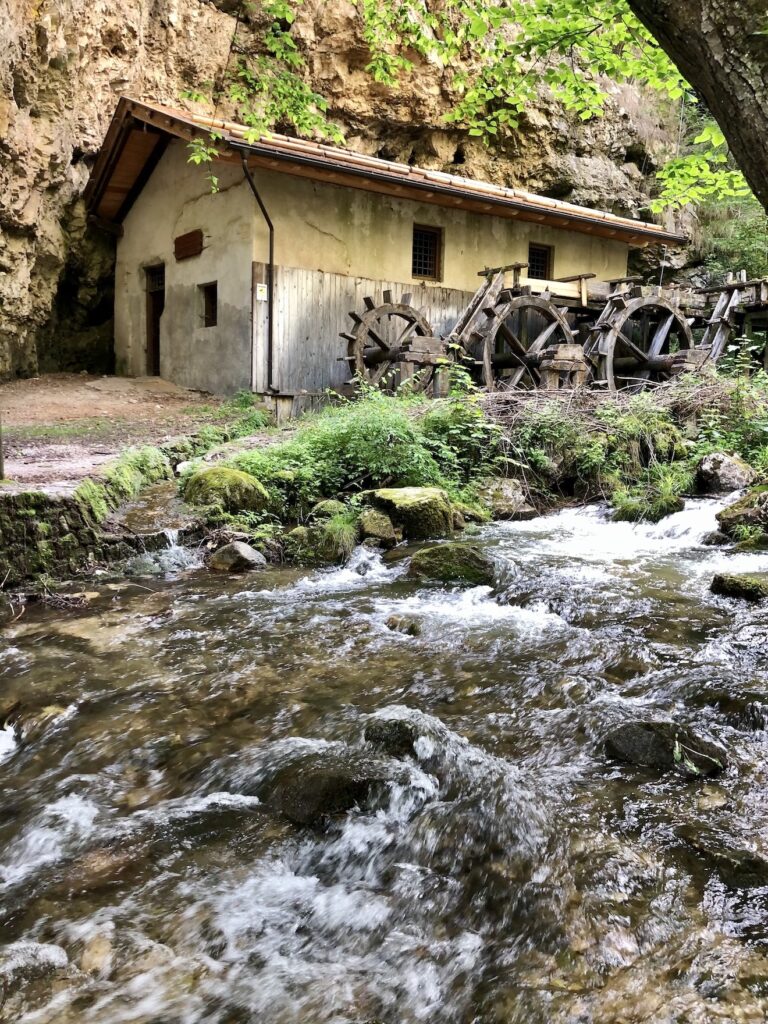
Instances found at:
x=319 y=227
x=349 y=231
x=178 y=199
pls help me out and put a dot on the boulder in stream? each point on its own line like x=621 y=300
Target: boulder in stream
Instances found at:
x=506 y=499
x=421 y=512
x=229 y=489
x=747 y=588
x=665 y=745
x=719 y=473
x=454 y=563
x=236 y=557
x=376 y=526
x=315 y=788
x=747 y=517
x=393 y=736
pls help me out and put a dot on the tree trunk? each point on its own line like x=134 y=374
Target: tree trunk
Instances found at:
x=719 y=47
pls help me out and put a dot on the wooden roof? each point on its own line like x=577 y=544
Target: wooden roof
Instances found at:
x=139 y=133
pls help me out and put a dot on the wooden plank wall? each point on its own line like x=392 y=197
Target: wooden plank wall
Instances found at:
x=312 y=307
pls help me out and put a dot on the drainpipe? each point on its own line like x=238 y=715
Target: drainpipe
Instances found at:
x=270 y=279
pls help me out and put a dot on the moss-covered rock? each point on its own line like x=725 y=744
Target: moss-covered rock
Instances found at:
x=421 y=512
x=453 y=563
x=376 y=526
x=747 y=518
x=748 y=588
x=637 y=508
x=328 y=509
x=228 y=489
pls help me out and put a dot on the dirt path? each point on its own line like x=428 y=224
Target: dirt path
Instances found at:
x=59 y=428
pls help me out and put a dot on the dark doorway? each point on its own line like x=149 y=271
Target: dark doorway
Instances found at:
x=155 y=307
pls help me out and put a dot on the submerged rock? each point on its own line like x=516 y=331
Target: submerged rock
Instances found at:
x=229 y=489
x=665 y=745
x=403 y=624
x=393 y=736
x=454 y=563
x=747 y=516
x=377 y=526
x=748 y=588
x=236 y=557
x=313 y=789
x=735 y=865
x=506 y=499
x=720 y=473
x=421 y=512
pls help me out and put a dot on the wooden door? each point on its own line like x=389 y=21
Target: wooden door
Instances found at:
x=155 y=307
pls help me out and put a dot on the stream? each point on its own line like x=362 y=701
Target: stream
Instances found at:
x=503 y=872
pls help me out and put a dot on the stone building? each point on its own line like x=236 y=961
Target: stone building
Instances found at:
x=194 y=265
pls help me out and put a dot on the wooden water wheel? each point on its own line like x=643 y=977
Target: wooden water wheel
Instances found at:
x=636 y=342
x=511 y=345
x=392 y=343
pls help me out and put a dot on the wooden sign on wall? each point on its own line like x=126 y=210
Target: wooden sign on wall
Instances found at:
x=188 y=245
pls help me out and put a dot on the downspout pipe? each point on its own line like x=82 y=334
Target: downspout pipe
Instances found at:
x=270 y=279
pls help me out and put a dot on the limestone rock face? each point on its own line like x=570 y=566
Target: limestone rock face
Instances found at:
x=64 y=64
x=719 y=473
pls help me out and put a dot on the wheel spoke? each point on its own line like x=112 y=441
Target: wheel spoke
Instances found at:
x=661 y=335
x=641 y=356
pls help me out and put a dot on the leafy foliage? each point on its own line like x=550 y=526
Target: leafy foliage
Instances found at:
x=377 y=441
x=499 y=53
x=735 y=237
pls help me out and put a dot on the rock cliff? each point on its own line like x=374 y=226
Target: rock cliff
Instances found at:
x=64 y=63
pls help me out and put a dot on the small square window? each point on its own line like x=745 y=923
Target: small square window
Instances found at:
x=426 y=253
x=209 y=304
x=540 y=259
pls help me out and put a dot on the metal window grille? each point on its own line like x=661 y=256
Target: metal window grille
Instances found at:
x=156 y=278
x=210 y=304
x=425 y=260
x=540 y=262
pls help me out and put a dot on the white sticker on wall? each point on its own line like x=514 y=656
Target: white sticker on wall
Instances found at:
x=261 y=293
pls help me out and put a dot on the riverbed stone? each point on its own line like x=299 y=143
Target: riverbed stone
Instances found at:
x=376 y=526
x=404 y=624
x=229 y=489
x=236 y=557
x=454 y=563
x=747 y=516
x=736 y=865
x=393 y=736
x=421 y=512
x=738 y=585
x=719 y=473
x=97 y=955
x=667 y=746
x=314 y=789
x=506 y=499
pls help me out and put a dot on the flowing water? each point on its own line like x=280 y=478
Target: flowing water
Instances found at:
x=506 y=872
